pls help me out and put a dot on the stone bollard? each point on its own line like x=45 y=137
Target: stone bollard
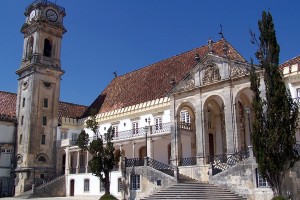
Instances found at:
x=145 y=161
x=176 y=173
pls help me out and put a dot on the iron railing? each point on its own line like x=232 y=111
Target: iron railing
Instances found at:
x=222 y=162
x=134 y=162
x=160 y=166
x=187 y=161
x=185 y=126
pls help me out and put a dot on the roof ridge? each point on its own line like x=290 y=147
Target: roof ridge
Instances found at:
x=160 y=61
x=289 y=60
x=75 y=104
x=8 y=92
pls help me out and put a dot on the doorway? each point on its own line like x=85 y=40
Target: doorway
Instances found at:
x=72 y=183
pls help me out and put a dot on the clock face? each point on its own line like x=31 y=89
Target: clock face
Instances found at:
x=51 y=15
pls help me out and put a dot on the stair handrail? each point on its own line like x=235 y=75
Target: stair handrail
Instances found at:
x=167 y=169
x=224 y=161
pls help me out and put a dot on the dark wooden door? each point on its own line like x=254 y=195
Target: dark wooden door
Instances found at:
x=72 y=183
x=211 y=144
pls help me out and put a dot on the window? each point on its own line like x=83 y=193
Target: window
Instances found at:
x=45 y=103
x=74 y=137
x=135 y=127
x=261 y=182
x=119 y=184
x=115 y=131
x=185 y=117
x=23 y=103
x=134 y=182
x=86 y=185
x=158 y=123
x=22 y=120
x=43 y=139
x=42 y=159
x=185 y=120
x=44 y=121
x=47 y=48
x=20 y=141
x=101 y=186
x=42 y=176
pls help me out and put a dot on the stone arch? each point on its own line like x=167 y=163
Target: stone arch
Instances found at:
x=48 y=44
x=186 y=131
x=29 y=47
x=42 y=158
x=214 y=126
x=243 y=117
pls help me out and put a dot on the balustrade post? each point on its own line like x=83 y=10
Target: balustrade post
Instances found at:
x=145 y=161
x=176 y=173
x=250 y=148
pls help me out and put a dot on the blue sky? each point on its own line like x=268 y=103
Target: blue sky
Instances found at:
x=122 y=36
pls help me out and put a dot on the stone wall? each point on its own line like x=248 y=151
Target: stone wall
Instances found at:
x=148 y=182
x=54 y=188
x=197 y=172
x=241 y=179
x=291 y=183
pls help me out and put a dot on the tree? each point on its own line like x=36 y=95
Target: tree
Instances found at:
x=102 y=161
x=276 y=114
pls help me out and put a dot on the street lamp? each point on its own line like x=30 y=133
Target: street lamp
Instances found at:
x=146 y=134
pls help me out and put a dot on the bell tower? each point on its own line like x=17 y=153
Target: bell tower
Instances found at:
x=38 y=94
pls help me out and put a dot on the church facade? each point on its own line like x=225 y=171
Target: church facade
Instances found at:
x=189 y=114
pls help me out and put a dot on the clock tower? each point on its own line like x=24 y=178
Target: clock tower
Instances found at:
x=38 y=94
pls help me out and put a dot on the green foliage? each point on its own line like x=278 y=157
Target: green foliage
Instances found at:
x=108 y=197
x=278 y=198
x=101 y=149
x=273 y=130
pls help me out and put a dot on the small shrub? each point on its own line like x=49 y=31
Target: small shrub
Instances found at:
x=108 y=197
x=279 y=198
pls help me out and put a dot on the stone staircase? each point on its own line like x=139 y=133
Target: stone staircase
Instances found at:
x=187 y=188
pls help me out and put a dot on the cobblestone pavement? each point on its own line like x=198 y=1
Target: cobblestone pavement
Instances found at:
x=59 y=198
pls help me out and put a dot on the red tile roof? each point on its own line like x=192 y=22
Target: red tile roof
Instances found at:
x=70 y=110
x=290 y=62
x=153 y=81
x=8 y=107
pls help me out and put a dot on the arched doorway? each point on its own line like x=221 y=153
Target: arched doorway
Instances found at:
x=142 y=152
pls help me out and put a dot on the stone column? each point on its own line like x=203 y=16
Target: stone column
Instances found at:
x=200 y=132
x=67 y=162
x=121 y=158
x=133 y=150
x=230 y=120
x=87 y=162
x=77 y=162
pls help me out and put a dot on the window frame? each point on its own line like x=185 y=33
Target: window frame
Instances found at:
x=43 y=139
x=44 y=120
x=86 y=185
x=260 y=181
x=135 y=182
x=158 y=123
x=135 y=128
x=46 y=103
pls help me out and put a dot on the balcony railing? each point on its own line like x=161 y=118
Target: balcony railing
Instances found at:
x=161 y=128
x=185 y=126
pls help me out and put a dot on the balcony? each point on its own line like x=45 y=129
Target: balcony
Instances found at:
x=67 y=142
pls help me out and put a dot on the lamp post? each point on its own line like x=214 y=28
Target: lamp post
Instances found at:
x=146 y=134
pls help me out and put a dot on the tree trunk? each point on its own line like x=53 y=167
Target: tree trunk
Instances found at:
x=106 y=183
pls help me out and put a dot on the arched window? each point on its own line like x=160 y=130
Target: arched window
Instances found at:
x=42 y=159
x=47 y=48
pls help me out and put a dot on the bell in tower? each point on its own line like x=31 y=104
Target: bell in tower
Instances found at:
x=38 y=94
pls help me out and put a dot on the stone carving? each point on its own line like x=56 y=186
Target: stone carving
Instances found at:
x=211 y=74
x=189 y=84
x=236 y=71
